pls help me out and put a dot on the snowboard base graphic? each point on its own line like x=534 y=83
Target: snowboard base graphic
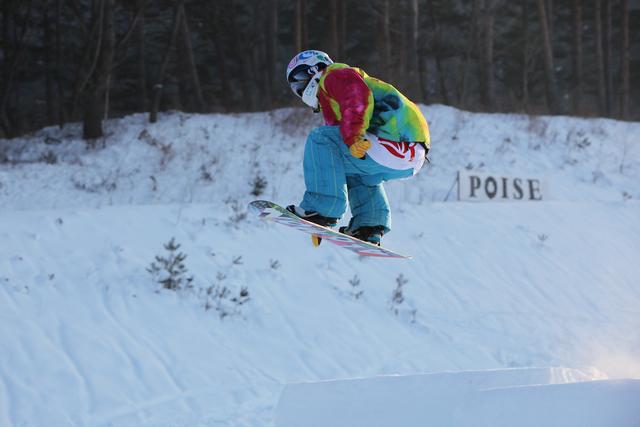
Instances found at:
x=273 y=212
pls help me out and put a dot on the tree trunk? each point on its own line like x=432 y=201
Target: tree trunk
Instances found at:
x=241 y=43
x=221 y=53
x=300 y=31
x=157 y=87
x=5 y=125
x=440 y=74
x=188 y=60
x=343 y=30
x=96 y=107
x=525 y=54
x=488 y=85
x=550 y=19
x=412 y=52
x=553 y=100
x=472 y=46
x=386 y=40
x=141 y=67
x=600 y=57
x=626 y=56
x=333 y=27
x=608 y=57
x=272 y=50
x=305 y=26
x=49 y=81
x=15 y=47
x=61 y=118
x=577 y=57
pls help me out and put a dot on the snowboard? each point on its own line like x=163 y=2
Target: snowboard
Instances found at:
x=273 y=212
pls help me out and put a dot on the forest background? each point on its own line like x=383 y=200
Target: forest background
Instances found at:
x=87 y=60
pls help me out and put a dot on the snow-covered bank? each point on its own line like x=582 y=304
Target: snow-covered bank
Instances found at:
x=210 y=158
x=491 y=398
x=87 y=338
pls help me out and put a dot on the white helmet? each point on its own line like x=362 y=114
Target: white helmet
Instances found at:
x=303 y=74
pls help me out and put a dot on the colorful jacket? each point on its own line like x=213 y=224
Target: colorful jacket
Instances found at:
x=348 y=97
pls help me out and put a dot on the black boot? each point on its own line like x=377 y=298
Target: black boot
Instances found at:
x=371 y=234
x=312 y=216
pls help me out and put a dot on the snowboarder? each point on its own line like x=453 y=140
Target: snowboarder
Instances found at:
x=372 y=134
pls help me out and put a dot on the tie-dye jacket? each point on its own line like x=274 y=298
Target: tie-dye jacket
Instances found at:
x=348 y=97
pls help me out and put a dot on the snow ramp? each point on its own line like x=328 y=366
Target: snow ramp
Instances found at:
x=494 y=398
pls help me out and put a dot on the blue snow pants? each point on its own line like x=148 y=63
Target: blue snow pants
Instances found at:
x=333 y=176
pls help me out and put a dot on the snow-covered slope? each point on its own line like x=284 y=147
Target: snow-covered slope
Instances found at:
x=491 y=398
x=88 y=338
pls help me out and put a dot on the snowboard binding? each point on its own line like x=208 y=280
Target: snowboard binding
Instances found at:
x=370 y=234
x=312 y=216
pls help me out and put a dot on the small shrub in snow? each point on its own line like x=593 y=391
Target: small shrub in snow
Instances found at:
x=626 y=196
x=583 y=143
x=221 y=299
x=205 y=175
x=154 y=183
x=351 y=290
x=537 y=126
x=49 y=158
x=165 y=149
x=259 y=184
x=50 y=140
x=542 y=238
x=238 y=213
x=397 y=296
x=274 y=264
x=170 y=270
x=355 y=290
x=96 y=181
x=398 y=304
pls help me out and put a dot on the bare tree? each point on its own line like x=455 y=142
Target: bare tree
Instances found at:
x=142 y=70
x=626 y=55
x=272 y=48
x=99 y=75
x=526 y=55
x=488 y=79
x=14 y=52
x=62 y=117
x=342 y=22
x=608 y=57
x=440 y=75
x=217 y=36
x=187 y=58
x=333 y=27
x=599 y=57
x=49 y=79
x=157 y=87
x=576 y=57
x=412 y=48
x=385 y=24
x=553 y=100
x=472 y=45
x=300 y=34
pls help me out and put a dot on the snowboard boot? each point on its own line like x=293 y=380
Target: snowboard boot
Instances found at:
x=371 y=234
x=314 y=217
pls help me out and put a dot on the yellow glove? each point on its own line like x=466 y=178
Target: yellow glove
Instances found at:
x=360 y=147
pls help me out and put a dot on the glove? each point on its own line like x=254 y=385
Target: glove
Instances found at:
x=359 y=148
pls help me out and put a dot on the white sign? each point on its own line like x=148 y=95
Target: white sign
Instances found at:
x=475 y=186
